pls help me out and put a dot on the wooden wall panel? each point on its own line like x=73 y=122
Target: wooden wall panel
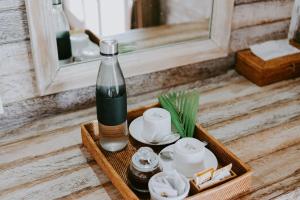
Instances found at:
x=17 y=77
x=242 y=38
x=13 y=25
x=11 y=4
x=15 y=58
x=261 y=13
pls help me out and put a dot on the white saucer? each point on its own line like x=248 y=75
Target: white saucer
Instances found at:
x=210 y=161
x=136 y=128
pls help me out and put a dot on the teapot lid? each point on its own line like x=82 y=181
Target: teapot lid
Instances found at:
x=145 y=160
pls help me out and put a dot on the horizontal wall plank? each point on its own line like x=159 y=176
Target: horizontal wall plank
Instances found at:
x=13 y=26
x=244 y=37
x=11 y=4
x=261 y=12
x=16 y=58
x=17 y=87
x=17 y=77
x=239 y=2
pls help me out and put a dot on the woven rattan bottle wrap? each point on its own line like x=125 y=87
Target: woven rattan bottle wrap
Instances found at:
x=112 y=131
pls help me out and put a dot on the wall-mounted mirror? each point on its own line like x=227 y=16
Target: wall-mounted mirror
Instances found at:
x=154 y=35
x=136 y=24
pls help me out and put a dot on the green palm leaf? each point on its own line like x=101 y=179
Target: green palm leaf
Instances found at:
x=183 y=107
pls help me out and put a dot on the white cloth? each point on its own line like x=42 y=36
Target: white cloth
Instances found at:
x=171 y=185
x=273 y=49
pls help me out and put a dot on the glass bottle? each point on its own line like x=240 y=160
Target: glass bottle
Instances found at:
x=62 y=30
x=111 y=99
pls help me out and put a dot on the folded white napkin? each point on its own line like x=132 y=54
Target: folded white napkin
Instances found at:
x=171 y=185
x=273 y=49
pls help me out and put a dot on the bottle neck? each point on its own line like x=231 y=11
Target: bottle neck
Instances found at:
x=110 y=61
x=110 y=73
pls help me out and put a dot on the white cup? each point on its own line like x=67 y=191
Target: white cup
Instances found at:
x=83 y=48
x=79 y=41
x=188 y=156
x=156 y=124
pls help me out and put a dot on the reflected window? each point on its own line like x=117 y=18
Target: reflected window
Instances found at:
x=136 y=24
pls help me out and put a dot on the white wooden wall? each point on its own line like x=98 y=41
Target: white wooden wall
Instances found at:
x=253 y=21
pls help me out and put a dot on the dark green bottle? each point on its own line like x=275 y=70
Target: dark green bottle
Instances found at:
x=111 y=99
x=62 y=30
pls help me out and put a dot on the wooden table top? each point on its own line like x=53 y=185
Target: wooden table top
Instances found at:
x=45 y=159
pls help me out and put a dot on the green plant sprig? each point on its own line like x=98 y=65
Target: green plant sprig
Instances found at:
x=183 y=107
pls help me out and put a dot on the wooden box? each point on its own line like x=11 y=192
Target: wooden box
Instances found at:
x=263 y=72
x=115 y=164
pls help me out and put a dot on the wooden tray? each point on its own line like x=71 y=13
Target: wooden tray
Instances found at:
x=263 y=72
x=115 y=164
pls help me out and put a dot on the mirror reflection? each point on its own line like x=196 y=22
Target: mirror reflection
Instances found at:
x=136 y=24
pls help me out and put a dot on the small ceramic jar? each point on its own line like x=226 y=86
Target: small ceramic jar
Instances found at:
x=144 y=165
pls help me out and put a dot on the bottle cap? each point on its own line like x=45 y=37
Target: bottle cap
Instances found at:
x=56 y=2
x=109 y=47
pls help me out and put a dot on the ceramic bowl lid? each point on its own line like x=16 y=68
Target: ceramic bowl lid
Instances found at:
x=145 y=160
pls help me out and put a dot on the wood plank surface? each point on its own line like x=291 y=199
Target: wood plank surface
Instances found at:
x=60 y=185
x=46 y=125
x=254 y=99
x=275 y=168
x=257 y=121
x=38 y=146
x=65 y=159
x=260 y=125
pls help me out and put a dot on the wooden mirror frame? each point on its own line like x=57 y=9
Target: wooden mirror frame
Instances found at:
x=52 y=79
x=294 y=19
